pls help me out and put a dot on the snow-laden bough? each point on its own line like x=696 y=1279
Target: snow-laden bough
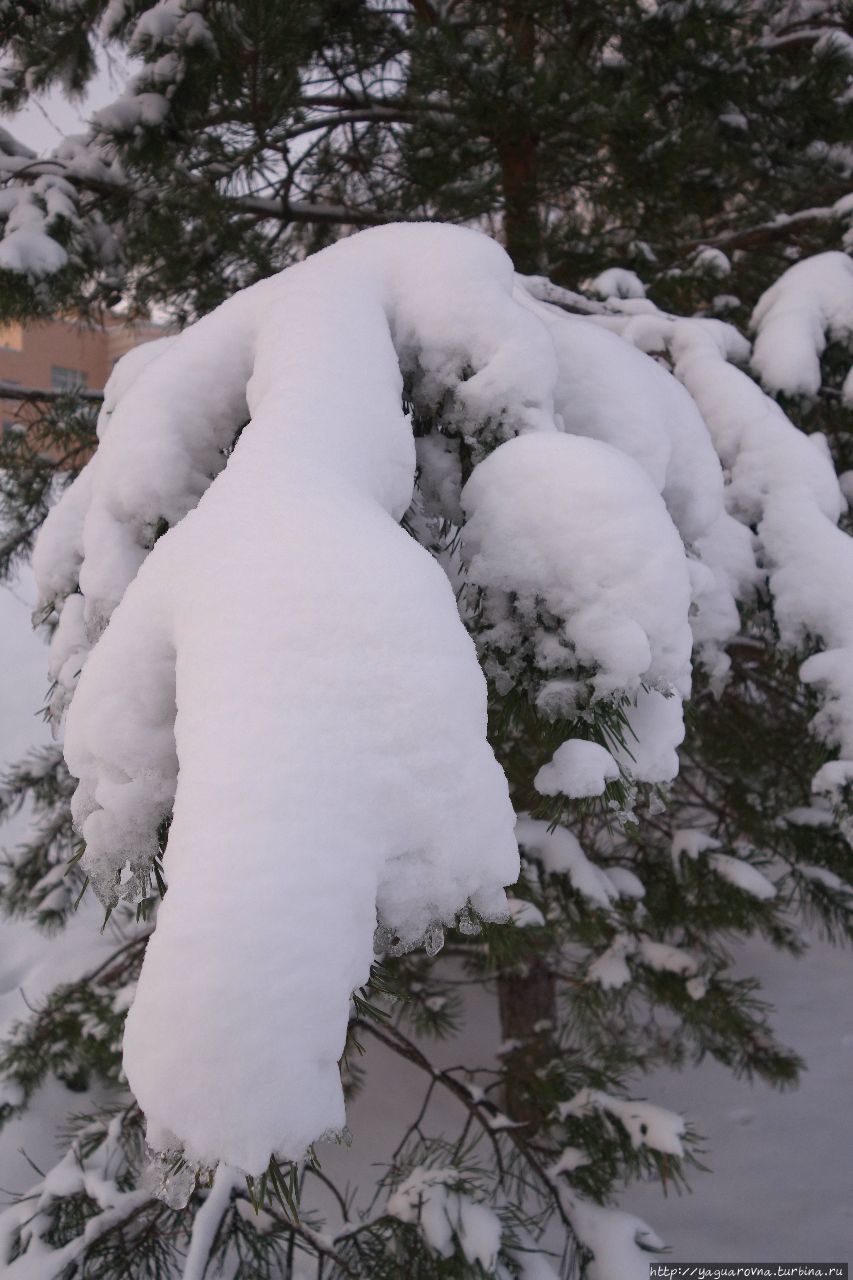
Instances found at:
x=279 y=670
x=781 y=483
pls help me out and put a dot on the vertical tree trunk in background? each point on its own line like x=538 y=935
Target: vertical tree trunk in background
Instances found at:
x=527 y=992
x=527 y=997
x=517 y=148
x=521 y=223
x=527 y=1004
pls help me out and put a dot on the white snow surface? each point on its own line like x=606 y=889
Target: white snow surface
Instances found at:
x=577 y=768
x=560 y=853
x=782 y=482
x=667 y=959
x=524 y=914
x=647 y=1124
x=656 y=731
x=610 y=391
x=810 y=303
x=31 y=213
x=690 y=843
x=611 y=969
x=779 y=1161
x=743 y=875
x=577 y=525
x=622 y=1246
x=693 y=844
x=707 y=259
x=618 y=282
x=446 y=1216
x=288 y=671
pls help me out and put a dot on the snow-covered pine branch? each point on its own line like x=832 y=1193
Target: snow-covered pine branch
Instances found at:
x=781 y=483
x=241 y=137
x=282 y=670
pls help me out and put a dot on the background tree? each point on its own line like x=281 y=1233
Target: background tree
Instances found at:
x=651 y=137
x=248 y=134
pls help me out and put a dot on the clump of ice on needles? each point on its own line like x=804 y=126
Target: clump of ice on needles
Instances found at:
x=284 y=672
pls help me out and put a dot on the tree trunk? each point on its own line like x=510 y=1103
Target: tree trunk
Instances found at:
x=517 y=148
x=521 y=222
x=526 y=994
x=528 y=1010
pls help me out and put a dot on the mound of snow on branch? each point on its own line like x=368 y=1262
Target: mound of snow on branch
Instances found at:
x=620 y=599
x=447 y=1216
x=810 y=303
x=287 y=674
x=648 y=415
x=577 y=768
x=780 y=481
x=279 y=670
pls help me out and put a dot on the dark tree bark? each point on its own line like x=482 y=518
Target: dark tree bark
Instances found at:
x=521 y=223
x=527 y=1004
x=517 y=148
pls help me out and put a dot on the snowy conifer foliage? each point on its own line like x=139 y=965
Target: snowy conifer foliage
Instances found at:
x=307 y=518
x=318 y=590
x=452 y=666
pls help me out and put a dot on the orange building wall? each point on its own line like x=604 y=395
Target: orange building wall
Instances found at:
x=27 y=355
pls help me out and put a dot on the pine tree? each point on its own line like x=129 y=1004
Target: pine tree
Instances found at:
x=548 y=1132
x=249 y=134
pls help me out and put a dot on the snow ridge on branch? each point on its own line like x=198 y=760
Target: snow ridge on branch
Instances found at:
x=274 y=667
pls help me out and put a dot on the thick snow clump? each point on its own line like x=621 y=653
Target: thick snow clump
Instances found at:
x=780 y=482
x=273 y=665
x=285 y=672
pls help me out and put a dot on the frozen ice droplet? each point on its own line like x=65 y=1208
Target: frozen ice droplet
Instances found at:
x=467 y=923
x=382 y=939
x=657 y=804
x=170 y=1178
x=178 y=1187
x=434 y=939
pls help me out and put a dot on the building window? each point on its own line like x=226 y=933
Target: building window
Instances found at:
x=62 y=379
x=12 y=337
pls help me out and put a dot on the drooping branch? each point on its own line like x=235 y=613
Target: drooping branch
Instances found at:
x=493 y=1124
x=34 y=395
x=111 y=185
x=778 y=228
x=351 y=100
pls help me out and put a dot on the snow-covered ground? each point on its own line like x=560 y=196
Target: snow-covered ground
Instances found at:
x=781 y=1186
x=782 y=1180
